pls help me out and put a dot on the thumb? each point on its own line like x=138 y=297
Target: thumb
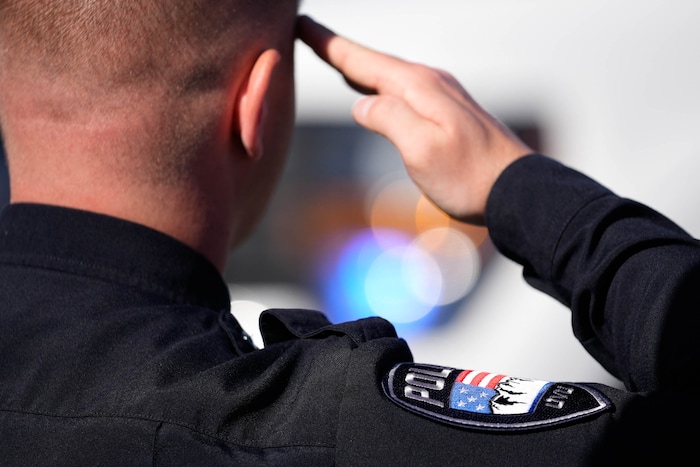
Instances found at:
x=391 y=117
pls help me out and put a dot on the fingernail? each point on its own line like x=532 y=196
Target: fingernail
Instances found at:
x=362 y=106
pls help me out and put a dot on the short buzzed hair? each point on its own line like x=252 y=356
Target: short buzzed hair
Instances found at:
x=125 y=40
x=168 y=48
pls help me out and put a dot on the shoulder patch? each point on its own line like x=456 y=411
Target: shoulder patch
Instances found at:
x=489 y=401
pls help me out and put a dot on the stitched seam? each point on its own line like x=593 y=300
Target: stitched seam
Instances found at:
x=343 y=400
x=154 y=452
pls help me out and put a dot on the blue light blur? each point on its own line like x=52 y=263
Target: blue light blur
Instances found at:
x=363 y=280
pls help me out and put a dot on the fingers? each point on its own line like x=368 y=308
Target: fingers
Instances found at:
x=364 y=68
x=372 y=72
x=314 y=35
x=451 y=147
x=366 y=71
x=392 y=118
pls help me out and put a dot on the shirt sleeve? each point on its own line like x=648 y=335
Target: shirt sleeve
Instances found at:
x=630 y=276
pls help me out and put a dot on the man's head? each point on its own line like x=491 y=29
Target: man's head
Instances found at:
x=147 y=92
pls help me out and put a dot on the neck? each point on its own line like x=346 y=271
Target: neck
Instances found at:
x=192 y=209
x=118 y=155
x=176 y=213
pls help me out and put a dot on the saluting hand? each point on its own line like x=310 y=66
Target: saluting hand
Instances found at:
x=452 y=148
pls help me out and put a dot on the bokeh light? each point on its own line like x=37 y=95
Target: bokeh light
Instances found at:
x=457 y=259
x=409 y=261
x=392 y=204
x=402 y=284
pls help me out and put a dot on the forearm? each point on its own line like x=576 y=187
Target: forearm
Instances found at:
x=626 y=272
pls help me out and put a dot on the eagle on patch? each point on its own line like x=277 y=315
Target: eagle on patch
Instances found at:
x=489 y=401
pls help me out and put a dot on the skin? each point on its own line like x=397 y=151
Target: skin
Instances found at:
x=452 y=148
x=71 y=144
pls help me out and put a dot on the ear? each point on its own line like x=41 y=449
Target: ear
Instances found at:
x=252 y=102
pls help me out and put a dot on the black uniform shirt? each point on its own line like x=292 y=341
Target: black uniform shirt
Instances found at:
x=118 y=348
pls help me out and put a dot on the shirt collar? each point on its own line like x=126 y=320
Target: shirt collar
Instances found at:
x=112 y=249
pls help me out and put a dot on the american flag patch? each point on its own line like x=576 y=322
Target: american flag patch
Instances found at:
x=489 y=401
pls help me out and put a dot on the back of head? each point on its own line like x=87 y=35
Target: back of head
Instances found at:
x=114 y=42
x=88 y=63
